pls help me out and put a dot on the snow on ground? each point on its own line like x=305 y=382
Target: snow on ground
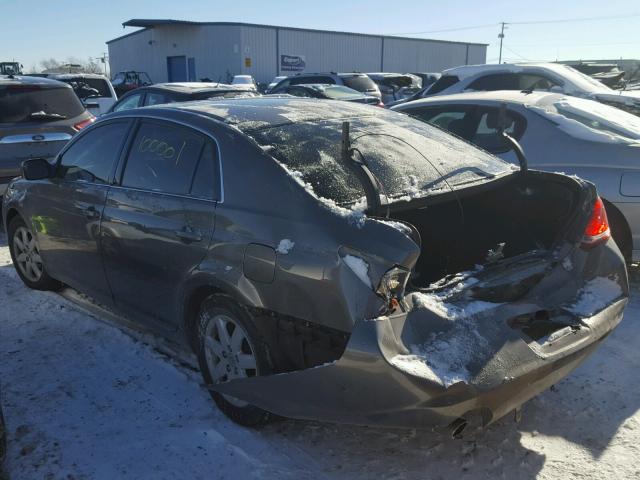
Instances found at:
x=85 y=401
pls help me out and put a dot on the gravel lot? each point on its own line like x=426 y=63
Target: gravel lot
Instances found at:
x=83 y=400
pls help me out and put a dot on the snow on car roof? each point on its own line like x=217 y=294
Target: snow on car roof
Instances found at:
x=192 y=87
x=577 y=79
x=263 y=112
x=581 y=118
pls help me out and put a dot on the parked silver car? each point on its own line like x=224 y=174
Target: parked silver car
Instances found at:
x=558 y=133
x=550 y=77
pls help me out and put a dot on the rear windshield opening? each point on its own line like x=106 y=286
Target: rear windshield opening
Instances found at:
x=410 y=158
x=443 y=83
x=99 y=84
x=361 y=83
x=18 y=103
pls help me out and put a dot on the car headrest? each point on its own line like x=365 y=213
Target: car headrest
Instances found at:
x=493 y=121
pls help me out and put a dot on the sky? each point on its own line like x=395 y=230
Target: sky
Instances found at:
x=33 y=30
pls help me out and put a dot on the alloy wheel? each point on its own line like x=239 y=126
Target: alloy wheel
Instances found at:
x=228 y=352
x=27 y=254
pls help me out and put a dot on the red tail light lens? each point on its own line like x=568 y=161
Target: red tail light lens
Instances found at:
x=80 y=125
x=597 y=230
x=380 y=104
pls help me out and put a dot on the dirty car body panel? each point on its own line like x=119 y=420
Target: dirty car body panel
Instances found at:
x=471 y=291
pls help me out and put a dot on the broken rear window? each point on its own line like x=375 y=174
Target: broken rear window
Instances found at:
x=410 y=158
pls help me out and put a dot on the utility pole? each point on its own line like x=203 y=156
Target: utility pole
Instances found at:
x=501 y=37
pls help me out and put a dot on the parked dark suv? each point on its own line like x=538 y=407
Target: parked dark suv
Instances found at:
x=38 y=116
x=358 y=81
x=387 y=272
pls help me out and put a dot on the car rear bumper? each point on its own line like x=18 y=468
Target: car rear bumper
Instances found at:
x=369 y=386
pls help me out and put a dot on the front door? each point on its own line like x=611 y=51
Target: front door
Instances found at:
x=69 y=209
x=156 y=227
x=177 y=69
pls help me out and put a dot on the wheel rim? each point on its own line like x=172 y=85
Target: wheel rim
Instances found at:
x=27 y=254
x=229 y=353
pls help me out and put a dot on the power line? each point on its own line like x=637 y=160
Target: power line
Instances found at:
x=458 y=29
x=529 y=22
x=578 y=19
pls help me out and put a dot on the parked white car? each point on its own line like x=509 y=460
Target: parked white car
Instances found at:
x=246 y=81
x=558 y=133
x=95 y=91
x=550 y=77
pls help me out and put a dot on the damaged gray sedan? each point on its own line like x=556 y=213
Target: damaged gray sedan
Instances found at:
x=327 y=260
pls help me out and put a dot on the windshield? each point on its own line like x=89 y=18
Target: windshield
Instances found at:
x=26 y=103
x=243 y=80
x=338 y=92
x=590 y=120
x=361 y=83
x=410 y=158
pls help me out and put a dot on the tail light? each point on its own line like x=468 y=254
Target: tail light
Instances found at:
x=380 y=104
x=80 y=125
x=597 y=230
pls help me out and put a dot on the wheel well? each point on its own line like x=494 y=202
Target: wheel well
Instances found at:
x=620 y=230
x=191 y=308
x=11 y=214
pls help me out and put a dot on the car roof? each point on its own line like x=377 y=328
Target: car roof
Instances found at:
x=389 y=74
x=264 y=112
x=71 y=76
x=42 y=82
x=466 y=71
x=339 y=74
x=195 y=87
x=502 y=96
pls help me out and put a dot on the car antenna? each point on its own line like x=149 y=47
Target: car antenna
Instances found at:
x=367 y=178
x=512 y=142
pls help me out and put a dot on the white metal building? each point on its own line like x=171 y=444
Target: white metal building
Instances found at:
x=177 y=50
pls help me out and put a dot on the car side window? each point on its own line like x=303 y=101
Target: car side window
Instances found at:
x=458 y=121
x=92 y=157
x=298 y=92
x=496 y=81
x=155 y=98
x=128 y=103
x=206 y=181
x=282 y=86
x=535 y=82
x=487 y=135
x=163 y=158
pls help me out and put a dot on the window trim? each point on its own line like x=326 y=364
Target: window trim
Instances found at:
x=124 y=144
x=117 y=180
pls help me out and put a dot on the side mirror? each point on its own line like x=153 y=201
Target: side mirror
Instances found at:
x=36 y=169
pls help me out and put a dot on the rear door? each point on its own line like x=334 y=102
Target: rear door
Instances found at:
x=158 y=222
x=66 y=210
x=36 y=121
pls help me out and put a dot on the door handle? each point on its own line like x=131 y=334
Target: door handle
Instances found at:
x=189 y=235
x=91 y=212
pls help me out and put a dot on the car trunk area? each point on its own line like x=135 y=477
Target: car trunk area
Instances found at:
x=477 y=226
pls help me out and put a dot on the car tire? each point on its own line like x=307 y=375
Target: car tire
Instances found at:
x=226 y=356
x=22 y=242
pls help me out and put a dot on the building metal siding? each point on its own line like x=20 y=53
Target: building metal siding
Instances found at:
x=326 y=52
x=259 y=46
x=221 y=51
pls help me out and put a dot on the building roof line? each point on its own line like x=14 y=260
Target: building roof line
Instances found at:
x=151 y=23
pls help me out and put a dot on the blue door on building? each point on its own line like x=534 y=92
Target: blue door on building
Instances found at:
x=177 y=69
x=192 y=69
